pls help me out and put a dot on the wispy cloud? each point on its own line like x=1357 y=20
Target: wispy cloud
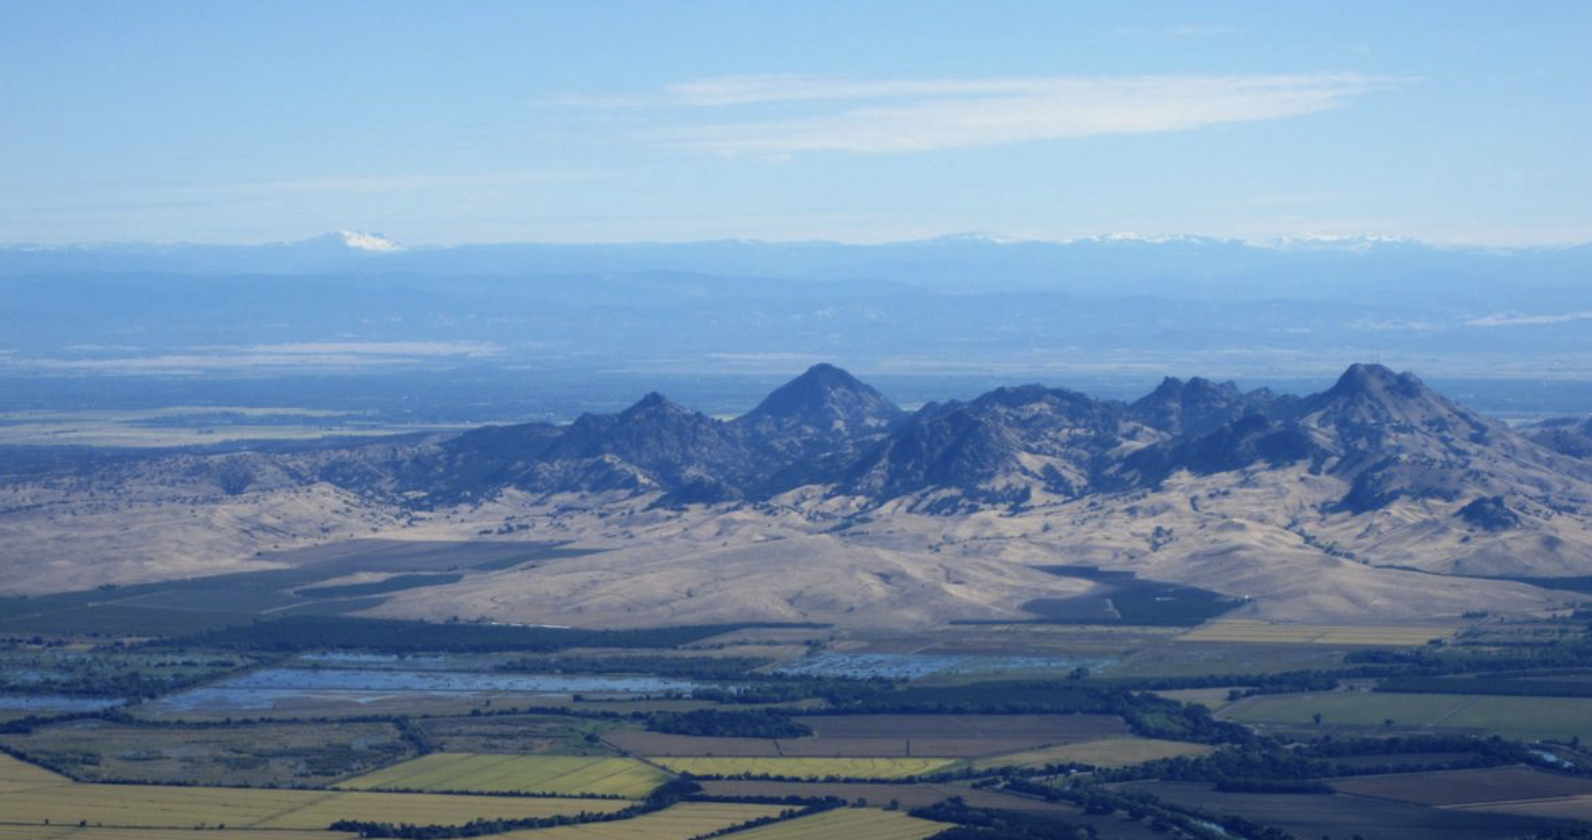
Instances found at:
x=1217 y=30
x=391 y=183
x=908 y=115
x=1517 y=319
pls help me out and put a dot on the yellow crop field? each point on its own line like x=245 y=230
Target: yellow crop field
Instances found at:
x=152 y=806
x=682 y=822
x=549 y=774
x=18 y=775
x=1107 y=752
x=1244 y=630
x=808 y=768
x=73 y=832
x=848 y=824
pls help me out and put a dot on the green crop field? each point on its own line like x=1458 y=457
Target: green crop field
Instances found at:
x=1527 y=718
x=682 y=822
x=848 y=824
x=547 y=774
x=1243 y=630
x=254 y=755
x=1107 y=752
x=809 y=768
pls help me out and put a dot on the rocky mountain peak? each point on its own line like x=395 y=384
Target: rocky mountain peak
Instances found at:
x=1370 y=402
x=827 y=399
x=1377 y=381
x=652 y=402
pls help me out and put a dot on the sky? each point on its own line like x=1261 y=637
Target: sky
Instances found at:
x=460 y=122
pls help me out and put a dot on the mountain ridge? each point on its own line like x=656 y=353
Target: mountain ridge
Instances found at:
x=1391 y=499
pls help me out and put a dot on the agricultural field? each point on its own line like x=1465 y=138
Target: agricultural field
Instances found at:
x=1177 y=658
x=521 y=734
x=808 y=768
x=76 y=832
x=256 y=755
x=1338 y=815
x=1564 y=808
x=1243 y=630
x=1445 y=788
x=1107 y=752
x=880 y=794
x=1524 y=718
x=1037 y=729
x=17 y=775
x=887 y=736
x=680 y=822
x=150 y=806
x=848 y=824
x=539 y=774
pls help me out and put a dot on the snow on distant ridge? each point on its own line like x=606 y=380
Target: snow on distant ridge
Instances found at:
x=374 y=242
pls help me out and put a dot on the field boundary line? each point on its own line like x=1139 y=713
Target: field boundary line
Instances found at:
x=292 y=809
x=1493 y=803
x=1467 y=703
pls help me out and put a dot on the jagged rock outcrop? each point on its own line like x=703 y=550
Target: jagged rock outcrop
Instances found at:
x=998 y=449
x=1199 y=406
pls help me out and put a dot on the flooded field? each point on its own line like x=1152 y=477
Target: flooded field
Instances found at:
x=354 y=679
x=55 y=703
x=294 y=688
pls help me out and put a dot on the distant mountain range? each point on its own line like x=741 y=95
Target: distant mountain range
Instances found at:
x=1309 y=269
x=1001 y=312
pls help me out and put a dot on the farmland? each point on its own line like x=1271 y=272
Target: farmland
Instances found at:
x=1315 y=815
x=1528 y=718
x=312 y=720
x=514 y=734
x=541 y=774
x=1566 y=808
x=808 y=768
x=1107 y=752
x=19 y=775
x=681 y=822
x=1263 y=632
x=878 y=794
x=75 y=832
x=1467 y=787
x=848 y=824
x=888 y=736
x=287 y=755
x=143 y=806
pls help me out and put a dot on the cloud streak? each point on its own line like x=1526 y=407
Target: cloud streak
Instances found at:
x=1516 y=319
x=904 y=115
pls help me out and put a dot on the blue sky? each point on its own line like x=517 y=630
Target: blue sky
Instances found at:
x=456 y=122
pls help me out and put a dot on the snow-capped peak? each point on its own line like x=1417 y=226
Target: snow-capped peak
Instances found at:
x=374 y=242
